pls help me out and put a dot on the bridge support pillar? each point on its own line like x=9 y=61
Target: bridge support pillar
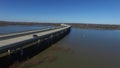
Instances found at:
x=21 y=52
x=38 y=41
x=51 y=37
x=9 y=52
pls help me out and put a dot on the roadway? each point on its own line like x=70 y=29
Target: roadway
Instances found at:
x=12 y=40
x=12 y=35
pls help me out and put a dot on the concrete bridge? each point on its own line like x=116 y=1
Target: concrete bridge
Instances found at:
x=18 y=42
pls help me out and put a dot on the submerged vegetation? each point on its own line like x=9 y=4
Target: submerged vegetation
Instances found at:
x=47 y=56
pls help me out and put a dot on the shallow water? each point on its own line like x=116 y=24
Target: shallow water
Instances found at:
x=86 y=48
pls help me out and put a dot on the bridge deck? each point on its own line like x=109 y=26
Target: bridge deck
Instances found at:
x=26 y=37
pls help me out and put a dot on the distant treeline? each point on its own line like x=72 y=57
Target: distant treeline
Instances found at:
x=76 y=25
x=101 y=26
x=5 y=23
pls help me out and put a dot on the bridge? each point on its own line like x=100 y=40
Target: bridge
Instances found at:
x=18 y=42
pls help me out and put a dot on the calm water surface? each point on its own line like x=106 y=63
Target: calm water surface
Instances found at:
x=89 y=48
x=12 y=29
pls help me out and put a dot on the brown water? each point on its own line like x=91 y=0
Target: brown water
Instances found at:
x=84 y=48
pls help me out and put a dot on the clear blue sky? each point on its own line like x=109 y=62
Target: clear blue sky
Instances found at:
x=74 y=11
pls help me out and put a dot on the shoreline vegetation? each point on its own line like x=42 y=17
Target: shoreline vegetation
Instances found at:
x=76 y=25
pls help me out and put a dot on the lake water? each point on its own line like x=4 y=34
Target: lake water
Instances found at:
x=12 y=29
x=85 y=48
